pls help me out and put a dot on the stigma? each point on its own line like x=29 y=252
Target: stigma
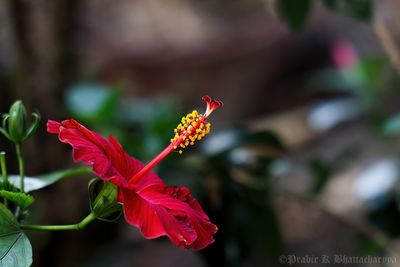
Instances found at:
x=193 y=126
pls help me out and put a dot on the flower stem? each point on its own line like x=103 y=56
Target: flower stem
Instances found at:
x=4 y=172
x=68 y=227
x=3 y=166
x=21 y=166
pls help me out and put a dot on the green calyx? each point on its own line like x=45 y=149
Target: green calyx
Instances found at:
x=15 y=123
x=103 y=200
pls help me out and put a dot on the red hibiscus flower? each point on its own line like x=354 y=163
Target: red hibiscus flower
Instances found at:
x=155 y=208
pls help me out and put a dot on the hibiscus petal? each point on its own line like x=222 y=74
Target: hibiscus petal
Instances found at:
x=140 y=213
x=157 y=210
x=200 y=221
x=110 y=162
x=53 y=126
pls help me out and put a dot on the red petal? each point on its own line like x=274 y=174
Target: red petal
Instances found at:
x=53 y=127
x=110 y=162
x=171 y=211
x=140 y=213
x=200 y=221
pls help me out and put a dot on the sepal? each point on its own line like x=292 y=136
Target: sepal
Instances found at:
x=103 y=200
x=32 y=129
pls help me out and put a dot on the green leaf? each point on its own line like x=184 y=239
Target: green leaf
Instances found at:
x=294 y=12
x=361 y=9
x=92 y=102
x=103 y=200
x=15 y=248
x=40 y=181
x=21 y=199
x=8 y=186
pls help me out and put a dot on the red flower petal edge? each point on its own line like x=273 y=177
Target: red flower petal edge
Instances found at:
x=155 y=208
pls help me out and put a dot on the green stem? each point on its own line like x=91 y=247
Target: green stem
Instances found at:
x=3 y=166
x=21 y=167
x=4 y=172
x=67 y=227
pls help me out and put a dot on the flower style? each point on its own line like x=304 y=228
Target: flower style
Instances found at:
x=148 y=203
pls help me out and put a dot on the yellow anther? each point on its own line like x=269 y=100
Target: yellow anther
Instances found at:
x=192 y=128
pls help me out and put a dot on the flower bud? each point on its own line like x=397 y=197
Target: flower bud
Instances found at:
x=15 y=124
x=103 y=200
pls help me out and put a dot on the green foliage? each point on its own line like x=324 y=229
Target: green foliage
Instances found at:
x=368 y=246
x=366 y=82
x=160 y=123
x=40 y=181
x=15 y=248
x=391 y=126
x=361 y=9
x=321 y=172
x=102 y=105
x=21 y=199
x=8 y=186
x=294 y=12
x=103 y=200
x=150 y=119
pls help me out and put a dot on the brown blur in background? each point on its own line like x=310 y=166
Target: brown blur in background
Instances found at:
x=303 y=158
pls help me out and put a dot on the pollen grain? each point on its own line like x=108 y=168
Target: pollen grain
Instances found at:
x=192 y=127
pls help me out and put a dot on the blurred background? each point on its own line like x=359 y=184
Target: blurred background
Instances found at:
x=303 y=159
